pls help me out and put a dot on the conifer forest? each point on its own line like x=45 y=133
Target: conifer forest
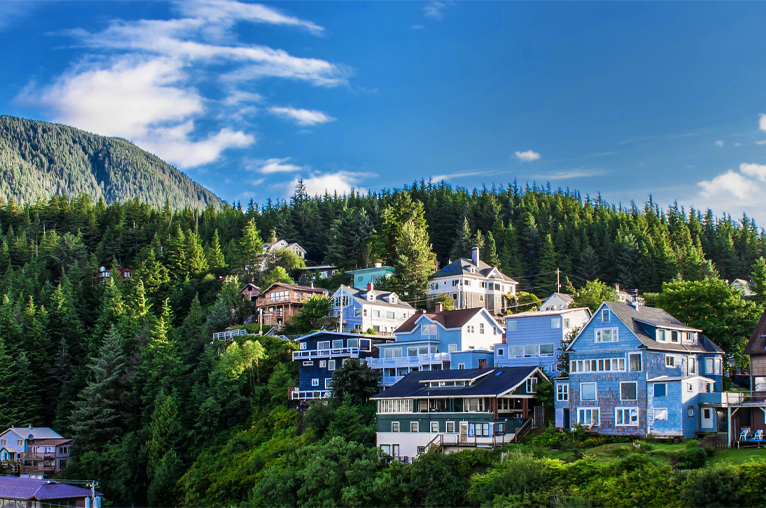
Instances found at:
x=161 y=417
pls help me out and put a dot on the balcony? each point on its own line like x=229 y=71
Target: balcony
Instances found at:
x=229 y=335
x=733 y=398
x=309 y=394
x=311 y=354
x=408 y=361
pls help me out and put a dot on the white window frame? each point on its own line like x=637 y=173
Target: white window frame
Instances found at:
x=453 y=348
x=331 y=365
x=315 y=381
x=555 y=322
x=629 y=383
x=640 y=360
x=540 y=349
x=670 y=361
x=595 y=391
x=510 y=325
x=327 y=382
x=531 y=385
x=605 y=316
x=303 y=345
x=308 y=363
x=434 y=424
x=481 y=328
x=631 y=411
x=451 y=424
x=414 y=426
x=613 y=334
x=589 y=410
x=690 y=411
x=460 y=366
x=395 y=427
x=660 y=409
x=691 y=364
x=323 y=364
x=562 y=392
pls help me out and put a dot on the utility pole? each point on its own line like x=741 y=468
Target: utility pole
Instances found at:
x=558 y=281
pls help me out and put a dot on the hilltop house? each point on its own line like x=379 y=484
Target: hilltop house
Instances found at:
x=274 y=246
x=537 y=337
x=34 y=450
x=557 y=301
x=452 y=409
x=440 y=340
x=39 y=493
x=375 y=274
x=744 y=286
x=281 y=301
x=250 y=292
x=321 y=353
x=369 y=308
x=472 y=283
x=636 y=370
x=103 y=274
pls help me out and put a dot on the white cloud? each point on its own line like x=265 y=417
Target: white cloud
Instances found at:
x=719 y=143
x=435 y=10
x=729 y=182
x=762 y=123
x=761 y=142
x=140 y=80
x=302 y=116
x=341 y=182
x=737 y=144
x=274 y=166
x=438 y=178
x=418 y=27
x=756 y=170
x=527 y=156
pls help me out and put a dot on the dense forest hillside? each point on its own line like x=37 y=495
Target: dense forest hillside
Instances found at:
x=162 y=417
x=40 y=160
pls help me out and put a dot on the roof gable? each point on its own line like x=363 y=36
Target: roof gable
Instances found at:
x=448 y=319
x=756 y=345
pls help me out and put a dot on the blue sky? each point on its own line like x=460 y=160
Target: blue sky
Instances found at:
x=625 y=99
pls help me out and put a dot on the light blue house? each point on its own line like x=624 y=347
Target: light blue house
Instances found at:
x=637 y=370
x=375 y=274
x=538 y=337
x=440 y=340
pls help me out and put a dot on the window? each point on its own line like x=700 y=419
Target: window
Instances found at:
x=327 y=382
x=20 y=442
x=635 y=362
x=530 y=350
x=588 y=391
x=546 y=349
x=674 y=337
x=324 y=344
x=606 y=335
x=376 y=313
x=315 y=382
x=556 y=322
x=394 y=426
x=385 y=449
x=336 y=344
x=353 y=342
x=601 y=365
x=562 y=392
x=708 y=365
x=760 y=384
x=660 y=389
x=395 y=406
x=308 y=364
x=481 y=328
x=531 y=385
x=690 y=411
x=707 y=413
x=588 y=416
x=453 y=348
x=670 y=361
x=692 y=365
x=390 y=315
x=412 y=351
x=331 y=365
x=660 y=414
x=626 y=416
x=398 y=352
x=481 y=297
x=628 y=391
x=500 y=351
x=717 y=369
x=510 y=326
x=357 y=312
x=515 y=350
x=461 y=366
x=605 y=316
x=450 y=427
x=434 y=427
x=421 y=450
x=689 y=387
x=303 y=345
x=3 y=442
x=413 y=426
x=567 y=323
x=364 y=312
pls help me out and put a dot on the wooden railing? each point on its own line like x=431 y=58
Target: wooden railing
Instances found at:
x=523 y=430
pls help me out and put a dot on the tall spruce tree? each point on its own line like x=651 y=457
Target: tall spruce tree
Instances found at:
x=414 y=262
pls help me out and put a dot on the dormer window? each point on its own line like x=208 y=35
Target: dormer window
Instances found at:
x=660 y=335
x=605 y=316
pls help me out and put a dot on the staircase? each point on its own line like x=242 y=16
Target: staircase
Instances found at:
x=437 y=443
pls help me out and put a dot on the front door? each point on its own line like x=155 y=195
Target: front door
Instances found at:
x=565 y=417
x=707 y=418
x=463 y=432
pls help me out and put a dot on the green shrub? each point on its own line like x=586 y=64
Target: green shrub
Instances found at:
x=692 y=458
x=593 y=442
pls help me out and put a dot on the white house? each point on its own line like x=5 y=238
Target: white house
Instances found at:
x=473 y=283
x=362 y=309
x=745 y=286
x=557 y=301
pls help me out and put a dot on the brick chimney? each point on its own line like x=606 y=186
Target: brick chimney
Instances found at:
x=438 y=307
x=502 y=338
x=370 y=286
x=475 y=256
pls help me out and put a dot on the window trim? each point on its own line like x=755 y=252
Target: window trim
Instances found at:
x=315 y=381
x=654 y=414
x=436 y=423
x=415 y=426
x=397 y=428
x=562 y=392
x=654 y=390
x=614 y=332
x=672 y=363
x=629 y=383
x=595 y=391
x=590 y=409
x=453 y=431
x=630 y=422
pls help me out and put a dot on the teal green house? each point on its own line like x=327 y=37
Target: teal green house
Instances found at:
x=364 y=276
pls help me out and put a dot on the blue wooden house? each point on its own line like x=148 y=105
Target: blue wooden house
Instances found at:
x=637 y=370
x=538 y=337
x=323 y=352
x=440 y=340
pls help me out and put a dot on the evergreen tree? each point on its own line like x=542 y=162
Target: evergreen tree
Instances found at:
x=403 y=209
x=277 y=274
x=195 y=255
x=8 y=389
x=629 y=266
x=758 y=277
x=215 y=258
x=250 y=252
x=489 y=254
x=95 y=421
x=414 y=262
x=546 y=277
x=590 y=266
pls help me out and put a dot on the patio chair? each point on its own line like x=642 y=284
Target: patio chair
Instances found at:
x=743 y=434
x=757 y=435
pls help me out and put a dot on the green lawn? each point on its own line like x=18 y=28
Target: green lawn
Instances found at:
x=738 y=456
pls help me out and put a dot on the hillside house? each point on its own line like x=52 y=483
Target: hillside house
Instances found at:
x=639 y=371
x=557 y=301
x=375 y=274
x=538 y=337
x=39 y=493
x=472 y=283
x=279 y=302
x=744 y=286
x=34 y=450
x=369 y=308
x=321 y=353
x=440 y=340
x=250 y=292
x=104 y=273
x=454 y=409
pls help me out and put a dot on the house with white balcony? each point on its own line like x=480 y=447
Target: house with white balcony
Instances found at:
x=440 y=340
x=472 y=283
x=538 y=337
x=369 y=308
x=322 y=353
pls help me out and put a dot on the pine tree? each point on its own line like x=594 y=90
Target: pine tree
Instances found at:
x=402 y=209
x=195 y=255
x=758 y=277
x=215 y=258
x=110 y=313
x=250 y=250
x=590 y=265
x=629 y=266
x=414 y=262
x=95 y=421
x=164 y=430
x=175 y=257
x=546 y=276
x=152 y=272
x=489 y=254
x=9 y=399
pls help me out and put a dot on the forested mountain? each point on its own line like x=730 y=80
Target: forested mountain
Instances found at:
x=40 y=160
x=160 y=418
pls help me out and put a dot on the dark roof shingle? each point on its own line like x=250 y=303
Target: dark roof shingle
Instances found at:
x=447 y=318
x=757 y=343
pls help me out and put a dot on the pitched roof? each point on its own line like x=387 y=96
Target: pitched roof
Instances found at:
x=35 y=432
x=52 y=441
x=463 y=266
x=757 y=343
x=348 y=335
x=447 y=318
x=490 y=382
x=33 y=488
x=295 y=288
x=538 y=313
x=360 y=296
x=634 y=319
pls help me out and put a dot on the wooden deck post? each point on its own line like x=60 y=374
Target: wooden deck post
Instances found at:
x=525 y=408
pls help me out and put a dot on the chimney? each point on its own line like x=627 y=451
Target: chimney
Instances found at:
x=502 y=338
x=475 y=256
x=617 y=287
x=635 y=303
x=370 y=286
x=438 y=307
x=378 y=265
